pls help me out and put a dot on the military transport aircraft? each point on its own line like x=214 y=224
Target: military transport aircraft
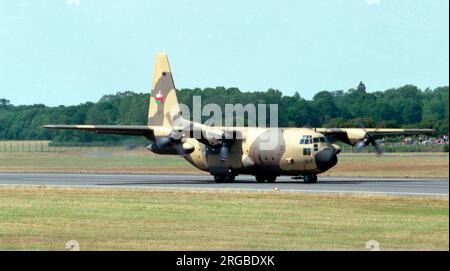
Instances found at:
x=226 y=152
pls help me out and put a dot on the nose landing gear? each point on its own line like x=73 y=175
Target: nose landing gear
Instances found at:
x=224 y=178
x=310 y=178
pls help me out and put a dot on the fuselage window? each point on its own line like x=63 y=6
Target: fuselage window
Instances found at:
x=316 y=140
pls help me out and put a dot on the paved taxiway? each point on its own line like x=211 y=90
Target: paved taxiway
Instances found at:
x=396 y=186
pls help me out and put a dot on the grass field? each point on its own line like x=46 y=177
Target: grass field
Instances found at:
x=409 y=165
x=94 y=160
x=115 y=219
x=118 y=160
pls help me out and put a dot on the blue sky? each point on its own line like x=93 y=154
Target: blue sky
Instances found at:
x=71 y=51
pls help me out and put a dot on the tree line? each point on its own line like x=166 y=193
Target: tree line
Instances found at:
x=406 y=106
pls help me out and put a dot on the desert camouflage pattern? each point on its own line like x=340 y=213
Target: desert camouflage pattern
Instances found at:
x=263 y=152
x=164 y=105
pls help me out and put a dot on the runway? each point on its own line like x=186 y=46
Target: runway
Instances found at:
x=346 y=185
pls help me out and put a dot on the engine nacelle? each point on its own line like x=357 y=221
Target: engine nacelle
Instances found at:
x=336 y=148
x=355 y=135
x=188 y=148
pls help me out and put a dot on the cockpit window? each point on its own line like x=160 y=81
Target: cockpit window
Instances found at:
x=322 y=139
x=306 y=139
x=316 y=140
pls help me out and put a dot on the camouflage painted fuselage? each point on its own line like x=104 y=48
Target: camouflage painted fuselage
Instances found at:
x=256 y=155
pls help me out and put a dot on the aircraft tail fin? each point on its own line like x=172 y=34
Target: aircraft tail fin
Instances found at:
x=164 y=107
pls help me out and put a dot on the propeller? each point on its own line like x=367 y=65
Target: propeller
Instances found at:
x=163 y=141
x=224 y=151
x=227 y=140
x=220 y=142
x=368 y=140
x=180 y=150
x=174 y=140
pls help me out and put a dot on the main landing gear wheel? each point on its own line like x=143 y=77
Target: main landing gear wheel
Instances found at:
x=224 y=179
x=230 y=179
x=310 y=178
x=262 y=179
x=271 y=179
x=219 y=179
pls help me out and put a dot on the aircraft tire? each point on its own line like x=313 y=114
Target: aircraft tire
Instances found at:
x=271 y=179
x=310 y=178
x=219 y=178
x=229 y=179
x=260 y=179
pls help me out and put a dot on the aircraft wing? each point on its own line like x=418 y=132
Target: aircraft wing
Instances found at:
x=353 y=135
x=146 y=131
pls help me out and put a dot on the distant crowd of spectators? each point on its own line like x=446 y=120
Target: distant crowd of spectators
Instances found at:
x=425 y=140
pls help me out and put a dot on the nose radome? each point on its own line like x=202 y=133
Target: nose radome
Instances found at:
x=325 y=159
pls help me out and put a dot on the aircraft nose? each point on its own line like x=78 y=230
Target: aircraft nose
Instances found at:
x=325 y=159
